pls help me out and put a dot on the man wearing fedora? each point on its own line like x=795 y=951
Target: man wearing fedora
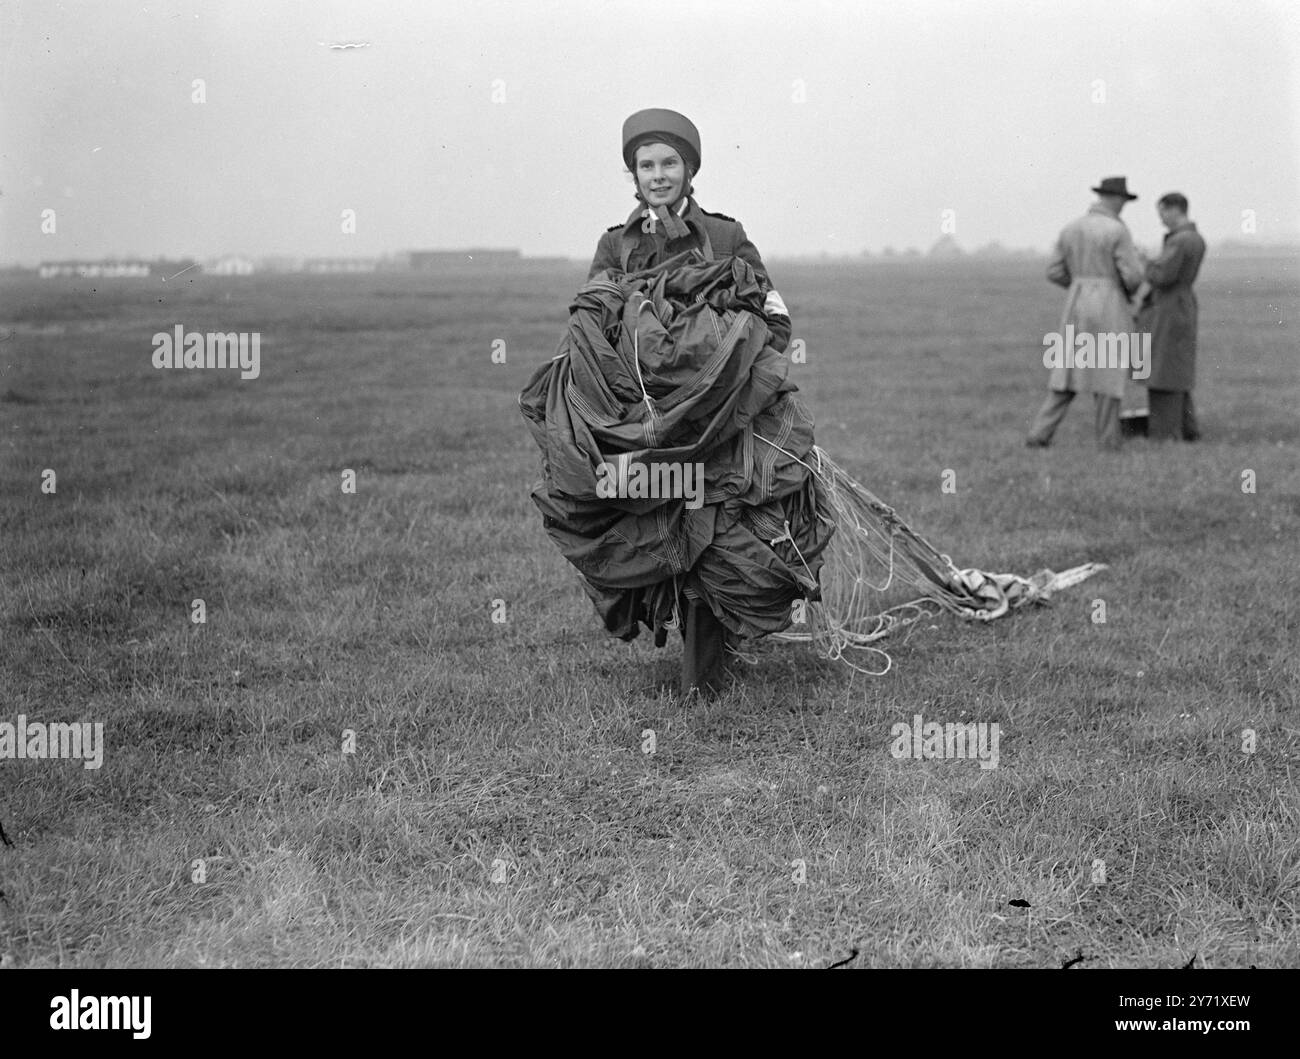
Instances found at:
x=1096 y=261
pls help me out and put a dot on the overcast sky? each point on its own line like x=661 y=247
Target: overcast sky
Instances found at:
x=830 y=126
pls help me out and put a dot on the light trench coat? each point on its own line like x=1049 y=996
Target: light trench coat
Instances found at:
x=1096 y=261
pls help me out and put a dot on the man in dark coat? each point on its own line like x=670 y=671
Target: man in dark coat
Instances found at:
x=1169 y=315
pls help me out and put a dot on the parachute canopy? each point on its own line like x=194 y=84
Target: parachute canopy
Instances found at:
x=679 y=464
x=661 y=385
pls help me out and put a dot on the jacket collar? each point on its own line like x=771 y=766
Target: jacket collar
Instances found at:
x=1186 y=226
x=687 y=215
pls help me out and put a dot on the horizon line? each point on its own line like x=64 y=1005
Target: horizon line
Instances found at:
x=955 y=251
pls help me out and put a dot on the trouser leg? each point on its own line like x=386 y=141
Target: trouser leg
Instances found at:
x=1049 y=416
x=1191 y=428
x=704 y=650
x=1107 y=415
x=1167 y=411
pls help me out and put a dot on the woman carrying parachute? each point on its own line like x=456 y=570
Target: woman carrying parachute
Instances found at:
x=680 y=475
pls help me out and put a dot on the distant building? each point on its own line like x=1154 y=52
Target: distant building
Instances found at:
x=337 y=265
x=279 y=263
x=94 y=269
x=230 y=265
x=424 y=260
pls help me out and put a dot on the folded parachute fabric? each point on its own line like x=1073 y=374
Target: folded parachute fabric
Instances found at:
x=661 y=373
x=669 y=370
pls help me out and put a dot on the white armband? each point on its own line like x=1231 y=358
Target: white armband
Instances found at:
x=774 y=304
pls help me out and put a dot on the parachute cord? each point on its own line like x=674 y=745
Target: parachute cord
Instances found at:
x=748 y=657
x=636 y=352
x=838 y=638
x=788 y=536
x=843 y=626
x=792 y=455
x=818 y=473
x=675 y=622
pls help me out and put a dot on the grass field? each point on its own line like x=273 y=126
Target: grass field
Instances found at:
x=498 y=808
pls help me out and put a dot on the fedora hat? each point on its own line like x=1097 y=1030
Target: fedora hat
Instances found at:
x=650 y=126
x=1115 y=185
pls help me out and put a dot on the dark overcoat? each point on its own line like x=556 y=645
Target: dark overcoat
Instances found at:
x=1170 y=310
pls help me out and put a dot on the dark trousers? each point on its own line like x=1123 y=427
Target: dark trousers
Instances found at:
x=1049 y=417
x=1173 y=417
x=704 y=650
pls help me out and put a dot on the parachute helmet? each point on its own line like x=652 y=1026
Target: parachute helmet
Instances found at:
x=661 y=126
